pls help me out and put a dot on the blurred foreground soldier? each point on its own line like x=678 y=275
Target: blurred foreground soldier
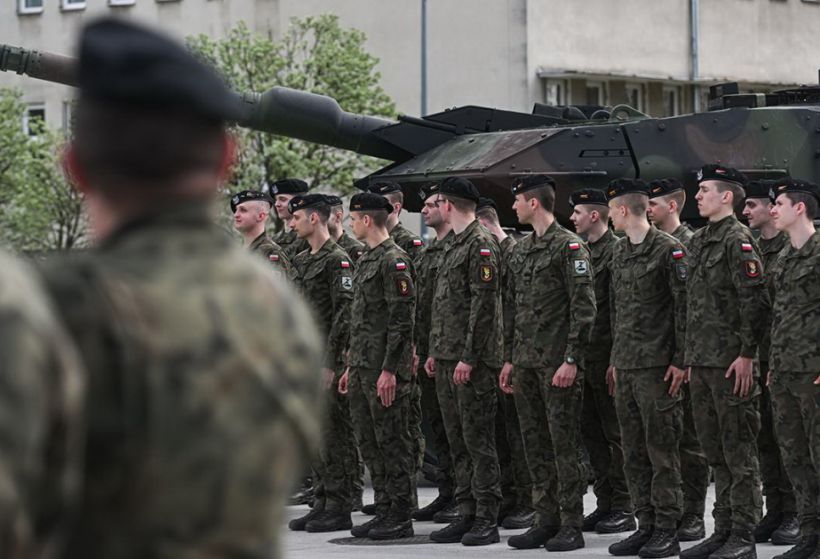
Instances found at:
x=648 y=303
x=666 y=200
x=197 y=418
x=516 y=488
x=549 y=311
x=282 y=191
x=465 y=351
x=379 y=363
x=599 y=426
x=335 y=226
x=727 y=311
x=250 y=214
x=41 y=433
x=795 y=355
x=324 y=275
x=780 y=523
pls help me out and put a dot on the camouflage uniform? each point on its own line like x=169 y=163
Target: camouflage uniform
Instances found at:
x=648 y=303
x=549 y=310
x=795 y=364
x=380 y=340
x=406 y=240
x=684 y=234
x=466 y=326
x=351 y=246
x=326 y=281
x=197 y=415
x=266 y=248
x=727 y=312
x=599 y=425
x=289 y=242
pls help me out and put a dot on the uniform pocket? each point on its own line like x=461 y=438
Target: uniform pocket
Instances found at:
x=666 y=423
x=743 y=414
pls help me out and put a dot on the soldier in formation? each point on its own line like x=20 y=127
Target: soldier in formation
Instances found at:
x=281 y=192
x=335 y=226
x=250 y=210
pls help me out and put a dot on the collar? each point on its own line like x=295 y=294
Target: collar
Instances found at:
x=717 y=230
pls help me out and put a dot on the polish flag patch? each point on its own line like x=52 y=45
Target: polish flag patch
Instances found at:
x=401 y=266
x=274 y=258
x=677 y=254
x=345 y=264
x=574 y=246
x=485 y=252
x=746 y=247
x=417 y=242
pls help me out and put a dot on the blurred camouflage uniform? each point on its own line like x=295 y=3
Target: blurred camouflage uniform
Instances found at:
x=41 y=431
x=380 y=340
x=795 y=365
x=266 y=248
x=648 y=302
x=599 y=424
x=289 y=242
x=727 y=313
x=351 y=246
x=466 y=326
x=549 y=311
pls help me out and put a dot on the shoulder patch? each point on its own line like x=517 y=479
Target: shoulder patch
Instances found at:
x=347 y=283
x=581 y=267
x=485 y=252
x=752 y=268
x=677 y=254
x=417 y=242
x=400 y=265
x=486 y=273
x=574 y=246
x=345 y=264
x=274 y=257
x=746 y=247
x=403 y=286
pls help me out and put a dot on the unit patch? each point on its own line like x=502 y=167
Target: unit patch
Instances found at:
x=403 y=286
x=347 y=283
x=681 y=271
x=486 y=273
x=581 y=267
x=752 y=268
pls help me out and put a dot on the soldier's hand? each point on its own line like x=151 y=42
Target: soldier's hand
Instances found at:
x=329 y=376
x=677 y=377
x=742 y=368
x=462 y=373
x=565 y=375
x=504 y=378
x=611 y=379
x=386 y=388
x=430 y=367
x=343 y=381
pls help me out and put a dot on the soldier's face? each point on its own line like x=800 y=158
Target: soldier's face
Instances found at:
x=709 y=198
x=522 y=208
x=431 y=212
x=581 y=218
x=757 y=211
x=281 y=205
x=784 y=213
x=617 y=215
x=300 y=224
x=357 y=225
x=334 y=222
x=659 y=210
x=246 y=216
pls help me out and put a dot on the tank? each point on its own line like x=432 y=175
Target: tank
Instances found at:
x=763 y=135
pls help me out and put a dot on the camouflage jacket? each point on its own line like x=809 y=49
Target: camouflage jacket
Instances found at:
x=600 y=345
x=384 y=297
x=427 y=270
x=41 y=431
x=289 y=242
x=466 y=319
x=796 y=313
x=407 y=241
x=273 y=253
x=326 y=281
x=727 y=301
x=506 y=248
x=351 y=246
x=683 y=234
x=549 y=307
x=769 y=251
x=648 y=302
x=203 y=386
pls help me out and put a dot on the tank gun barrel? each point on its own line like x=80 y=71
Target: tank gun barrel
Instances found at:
x=41 y=65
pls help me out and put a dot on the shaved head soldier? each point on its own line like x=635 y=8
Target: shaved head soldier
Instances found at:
x=666 y=200
x=250 y=215
x=335 y=225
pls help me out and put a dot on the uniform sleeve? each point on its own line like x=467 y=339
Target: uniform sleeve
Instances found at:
x=748 y=278
x=341 y=294
x=578 y=278
x=422 y=323
x=280 y=261
x=508 y=308
x=400 y=294
x=484 y=284
x=677 y=275
x=613 y=321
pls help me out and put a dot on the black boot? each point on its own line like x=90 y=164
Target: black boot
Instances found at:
x=329 y=521
x=533 y=538
x=593 y=518
x=362 y=530
x=788 y=533
x=395 y=526
x=298 y=524
x=517 y=518
x=615 y=522
x=691 y=528
x=357 y=503
x=803 y=550
x=707 y=547
x=567 y=539
x=484 y=531
x=453 y=532
x=663 y=543
x=633 y=544
x=426 y=513
x=447 y=515
x=369 y=510
x=767 y=525
x=740 y=545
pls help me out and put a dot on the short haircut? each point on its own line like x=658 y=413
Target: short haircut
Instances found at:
x=738 y=194
x=603 y=211
x=679 y=196
x=322 y=210
x=545 y=196
x=808 y=200
x=489 y=214
x=635 y=202
x=461 y=204
x=379 y=217
x=394 y=197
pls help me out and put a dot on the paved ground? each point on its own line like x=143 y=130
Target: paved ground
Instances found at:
x=301 y=545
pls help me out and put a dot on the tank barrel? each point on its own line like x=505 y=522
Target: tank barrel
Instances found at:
x=40 y=65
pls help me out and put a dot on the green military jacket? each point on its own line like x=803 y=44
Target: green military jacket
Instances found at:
x=684 y=234
x=769 y=251
x=796 y=312
x=203 y=387
x=466 y=319
x=648 y=302
x=325 y=279
x=407 y=241
x=273 y=253
x=601 y=337
x=384 y=297
x=728 y=304
x=549 y=306
x=289 y=242
x=351 y=246
x=428 y=263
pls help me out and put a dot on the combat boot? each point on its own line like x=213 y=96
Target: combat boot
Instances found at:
x=533 y=538
x=803 y=550
x=707 y=547
x=453 y=532
x=567 y=539
x=691 y=528
x=767 y=525
x=369 y=510
x=519 y=517
x=427 y=513
x=298 y=524
x=633 y=544
x=740 y=545
x=362 y=530
x=329 y=521
x=484 y=531
x=394 y=527
x=663 y=543
x=447 y=515
x=615 y=522
x=593 y=518
x=788 y=533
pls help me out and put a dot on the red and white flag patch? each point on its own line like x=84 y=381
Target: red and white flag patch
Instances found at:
x=574 y=246
x=274 y=258
x=417 y=242
x=677 y=254
x=401 y=266
x=746 y=247
x=485 y=252
x=345 y=264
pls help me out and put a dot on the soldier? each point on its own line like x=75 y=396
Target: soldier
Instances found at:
x=351 y=246
x=727 y=311
x=250 y=213
x=465 y=349
x=599 y=425
x=666 y=200
x=324 y=275
x=41 y=434
x=780 y=523
x=549 y=311
x=648 y=306
x=795 y=358
x=379 y=363
x=196 y=417
x=516 y=488
x=282 y=191
x=407 y=241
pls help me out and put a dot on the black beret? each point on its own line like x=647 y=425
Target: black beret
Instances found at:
x=289 y=186
x=594 y=196
x=531 y=182
x=247 y=196
x=759 y=188
x=720 y=173
x=619 y=187
x=303 y=201
x=428 y=190
x=368 y=201
x=128 y=65
x=384 y=187
x=333 y=200
x=785 y=185
x=459 y=187
x=484 y=203
x=662 y=187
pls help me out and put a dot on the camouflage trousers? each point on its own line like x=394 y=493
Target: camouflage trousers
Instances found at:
x=336 y=467
x=432 y=414
x=383 y=434
x=777 y=488
x=694 y=469
x=548 y=416
x=727 y=427
x=516 y=487
x=796 y=408
x=602 y=438
x=469 y=412
x=415 y=433
x=651 y=423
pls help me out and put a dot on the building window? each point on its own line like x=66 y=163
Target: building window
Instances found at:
x=30 y=6
x=34 y=119
x=555 y=92
x=121 y=2
x=68 y=116
x=595 y=93
x=69 y=5
x=635 y=96
x=812 y=1
x=671 y=100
